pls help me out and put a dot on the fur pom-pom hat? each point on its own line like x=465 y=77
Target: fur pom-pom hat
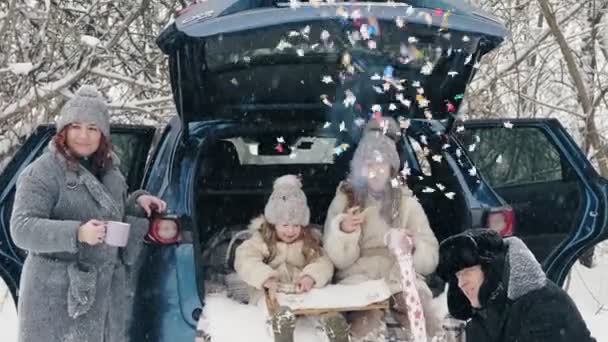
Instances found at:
x=287 y=203
x=87 y=106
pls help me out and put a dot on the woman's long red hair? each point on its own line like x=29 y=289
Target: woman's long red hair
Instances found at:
x=102 y=158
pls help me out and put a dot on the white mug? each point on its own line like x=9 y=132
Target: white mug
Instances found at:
x=117 y=233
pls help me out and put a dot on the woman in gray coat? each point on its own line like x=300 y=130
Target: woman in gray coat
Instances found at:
x=74 y=286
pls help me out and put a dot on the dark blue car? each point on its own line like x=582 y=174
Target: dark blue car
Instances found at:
x=264 y=89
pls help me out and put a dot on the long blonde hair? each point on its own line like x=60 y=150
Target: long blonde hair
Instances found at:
x=311 y=246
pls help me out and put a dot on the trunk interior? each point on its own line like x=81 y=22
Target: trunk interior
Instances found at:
x=234 y=180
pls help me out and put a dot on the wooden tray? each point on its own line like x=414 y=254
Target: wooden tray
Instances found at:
x=273 y=306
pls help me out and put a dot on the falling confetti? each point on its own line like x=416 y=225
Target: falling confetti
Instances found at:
x=477 y=65
x=294 y=34
x=281 y=140
x=440 y=186
x=327 y=80
x=437 y=158
x=472 y=147
x=450 y=195
x=327 y=124
x=458 y=153
x=508 y=124
x=466 y=39
x=499 y=159
x=445 y=146
x=234 y=81
x=427 y=68
x=300 y=52
x=423 y=140
x=459 y=97
x=473 y=171
x=371 y=44
x=453 y=73
x=406 y=171
x=350 y=99
x=428 y=190
x=412 y=40
x=395 y=183
x=376 y=77
x=416 y=84
x=392 y=107
x=326 y=101
x=342 y=126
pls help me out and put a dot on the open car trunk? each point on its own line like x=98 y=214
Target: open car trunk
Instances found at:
x=235 y=171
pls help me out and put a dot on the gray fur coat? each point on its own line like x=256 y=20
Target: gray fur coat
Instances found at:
x=71 y=291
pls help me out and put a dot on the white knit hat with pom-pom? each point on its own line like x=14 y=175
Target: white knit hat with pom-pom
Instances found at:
x=287 y=203
x=87 y=106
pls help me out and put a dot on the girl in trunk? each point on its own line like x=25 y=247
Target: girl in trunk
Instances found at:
x=284 y=251
x=370 y=202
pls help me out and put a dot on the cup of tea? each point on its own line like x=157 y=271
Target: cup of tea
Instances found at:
x=117 y=233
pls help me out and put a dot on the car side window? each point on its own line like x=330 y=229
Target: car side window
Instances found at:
x=513 y=157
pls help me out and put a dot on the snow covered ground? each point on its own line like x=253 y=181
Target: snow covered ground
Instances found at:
x=588 y=287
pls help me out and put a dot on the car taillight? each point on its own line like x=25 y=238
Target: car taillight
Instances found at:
x=501 y=220
x=164 y=231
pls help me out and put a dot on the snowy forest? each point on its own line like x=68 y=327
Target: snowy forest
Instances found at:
x=555 y=64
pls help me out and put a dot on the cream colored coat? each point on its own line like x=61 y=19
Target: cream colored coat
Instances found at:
x=362 y=255
x=287 y=266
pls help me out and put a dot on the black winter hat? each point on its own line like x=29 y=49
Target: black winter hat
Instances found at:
x=469 y=248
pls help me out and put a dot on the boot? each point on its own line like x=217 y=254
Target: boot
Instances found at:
x=283 y=325
x=335 y=327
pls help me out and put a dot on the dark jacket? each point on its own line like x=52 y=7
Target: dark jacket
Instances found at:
x=523 y=305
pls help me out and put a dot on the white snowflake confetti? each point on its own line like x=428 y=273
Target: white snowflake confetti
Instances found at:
x=458 y=153
x=378 y=89
x=428 y=190
x=450 y=195
x=412 y=40
x=281 y=140
x=342 y=126
x=406 y=171
x=376 y=77
x=327 y=80
x=423 y=140
x=294 y=34
x=499 y=159
x=326 y=101
x=327 y=124
x=416 y=84
x=395 y=183
x=508 y=124
x=473 y=171
x=468 y=59
x=392 y=107
x=427 y=68
x=437 y=158
x=300 y=52
x=350 y=99
x=472 y=147
x=440 y=186
x=477 y=65
x=234 y=81
x=459 y=129
x=371 y=44
x=445 y=146
x=466 y=39
x=376 y=108
x=453 y=73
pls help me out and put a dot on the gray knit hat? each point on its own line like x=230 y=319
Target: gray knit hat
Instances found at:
x=87 y=106
x=287 y=203
x=377 y=145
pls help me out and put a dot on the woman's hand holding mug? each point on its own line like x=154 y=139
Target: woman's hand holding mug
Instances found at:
x=93 y=232
x=352 y=220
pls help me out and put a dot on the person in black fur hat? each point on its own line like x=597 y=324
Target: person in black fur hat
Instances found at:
x=499 y=288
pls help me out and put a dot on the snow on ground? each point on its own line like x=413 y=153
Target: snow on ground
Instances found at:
x=588 y=288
